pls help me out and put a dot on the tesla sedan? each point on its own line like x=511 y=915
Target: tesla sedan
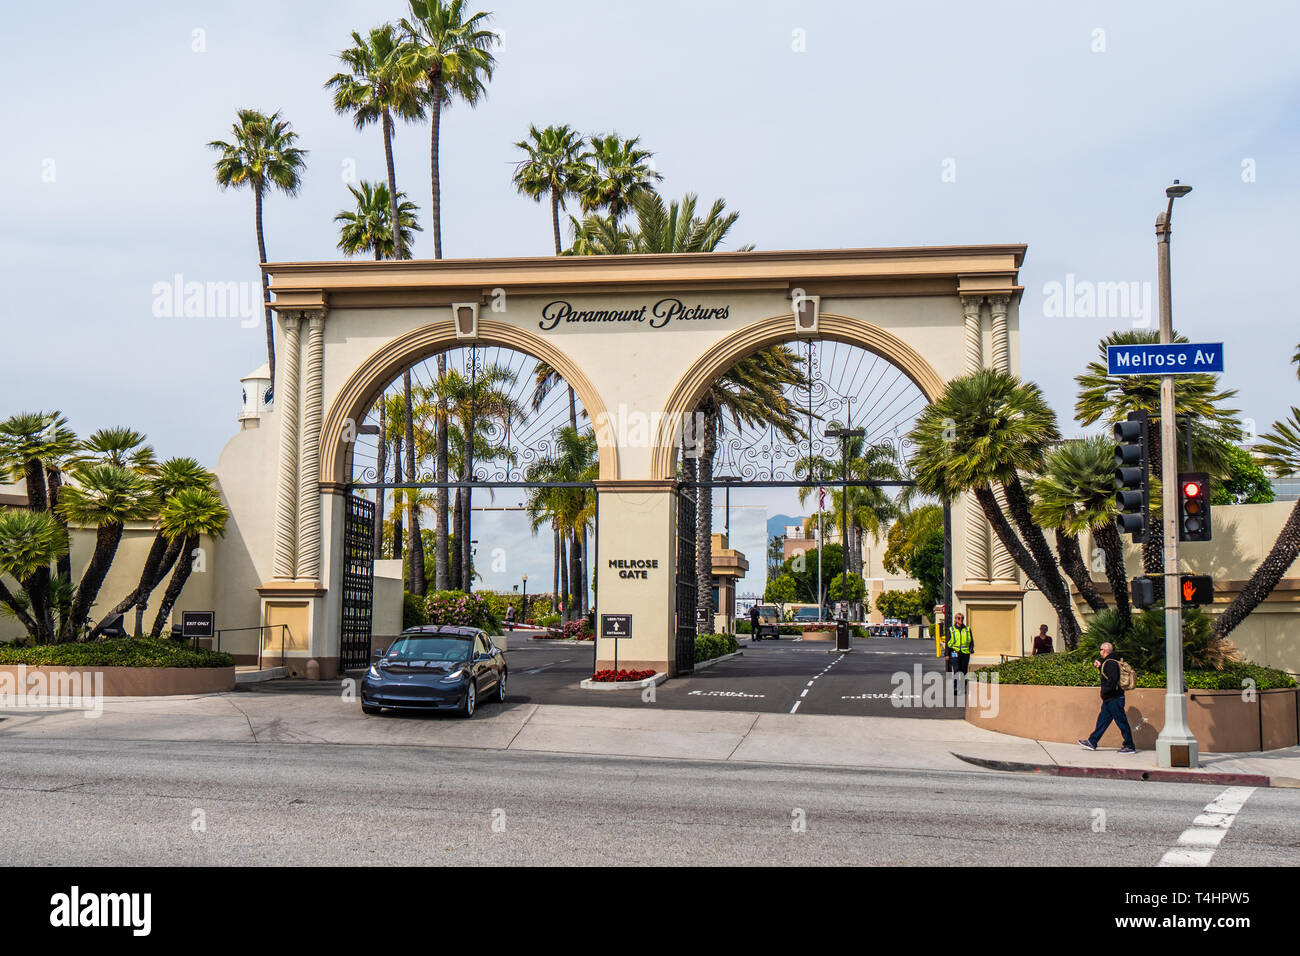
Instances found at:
x=435 y=668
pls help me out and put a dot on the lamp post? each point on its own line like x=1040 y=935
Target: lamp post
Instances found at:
x=1175 y=746
x=844 y=434
x=523 y=611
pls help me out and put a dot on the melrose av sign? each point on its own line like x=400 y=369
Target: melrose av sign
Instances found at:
x=1180 y=358
x=655 y=316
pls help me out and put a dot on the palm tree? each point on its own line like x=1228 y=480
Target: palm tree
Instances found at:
x=1075 y=494
x=379 y=87
x=29 y=542
x=620 y=171
x=368 y=228
x=188 y=516
x=123 y=447
x=1279 y=450
x=569 y=510
x=172 y=476
x=597 y=235
x=979 y=434
x=105 y=496
x=676 y=227
x=555 y=167
x=263 y=156
x=453 y=54
x=544 y=379
x=1110 y=398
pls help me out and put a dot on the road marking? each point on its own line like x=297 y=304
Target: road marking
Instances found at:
x=722 y=693
x=537 y=670
x=883 y=697
x=804 y=694
x=795 y=707
x=810 y=683
x=1198 y=842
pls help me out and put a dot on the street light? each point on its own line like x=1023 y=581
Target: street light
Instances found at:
x=1175 y=746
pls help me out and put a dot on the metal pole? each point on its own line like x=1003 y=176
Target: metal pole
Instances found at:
x=1175 y=746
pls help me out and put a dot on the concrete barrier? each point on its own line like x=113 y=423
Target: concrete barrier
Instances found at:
x=1220 y=720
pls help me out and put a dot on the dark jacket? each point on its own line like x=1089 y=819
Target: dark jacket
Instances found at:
x=1110 y=688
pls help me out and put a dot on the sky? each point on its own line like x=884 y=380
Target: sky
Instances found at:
x=825 y=124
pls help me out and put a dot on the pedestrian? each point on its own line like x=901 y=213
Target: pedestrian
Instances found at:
x=1043 y=641
x=753 y=621
x=510 y=617
x=1112 y=702
x=959 y=645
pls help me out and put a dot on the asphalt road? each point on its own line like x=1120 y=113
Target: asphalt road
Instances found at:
x=782 y=676
x=76 y=803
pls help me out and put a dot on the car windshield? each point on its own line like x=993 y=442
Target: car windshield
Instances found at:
x=767 y=611
x=807 y=612
x=439 y=647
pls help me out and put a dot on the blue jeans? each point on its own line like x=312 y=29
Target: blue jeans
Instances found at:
x=1112 y=709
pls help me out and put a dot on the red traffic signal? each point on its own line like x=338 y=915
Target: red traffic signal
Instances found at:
x=1194 y=507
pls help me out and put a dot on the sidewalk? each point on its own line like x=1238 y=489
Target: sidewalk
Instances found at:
x=897 y=743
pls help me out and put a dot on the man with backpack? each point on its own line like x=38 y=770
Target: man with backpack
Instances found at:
x=1116 y=677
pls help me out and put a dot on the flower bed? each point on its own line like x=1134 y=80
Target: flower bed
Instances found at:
x=620 y=676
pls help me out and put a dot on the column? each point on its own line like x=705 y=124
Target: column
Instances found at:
x=309 y=523
x=1004 y=565
x=977 y=533
x=284 y=565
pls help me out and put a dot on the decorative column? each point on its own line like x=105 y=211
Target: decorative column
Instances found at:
x=1004 y=566
x=977 y=540
x=309 y=523
x=284 y=565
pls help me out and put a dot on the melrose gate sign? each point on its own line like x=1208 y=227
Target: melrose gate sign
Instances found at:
x=348 y=329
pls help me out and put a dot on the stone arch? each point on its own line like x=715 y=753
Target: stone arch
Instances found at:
x=686 y=395
x=385 y=364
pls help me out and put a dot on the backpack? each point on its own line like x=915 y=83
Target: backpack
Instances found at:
x=1128 y=677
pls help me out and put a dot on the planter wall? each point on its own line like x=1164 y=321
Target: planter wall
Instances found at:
x=1220 y=720
x=135 y=681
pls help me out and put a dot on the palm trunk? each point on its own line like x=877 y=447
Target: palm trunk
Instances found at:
x=266 y=289
x=399 y=498
x=1153 y=548
x=1032 y=533
x=107 y=538
x=37 y=585
x=704 y=525
x=1266 y=576
x=565 y=604
x=399 y=247
x=457 y=536
x=11 y=601
x=1107 y=538
x=555 y=218
x=170 y=556
x=62 y=564
x=415 y=545
x=467 y=550
x=174 y=586
x=441 y=544
x=1067 y=546
x=555 y=568
x=573 y=410
x=435 y=132
x=149 y=576
x=381 y=466
x=575 y=573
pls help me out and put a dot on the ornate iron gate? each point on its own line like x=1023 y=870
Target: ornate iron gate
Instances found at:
x=358 y=582
x=686 y=582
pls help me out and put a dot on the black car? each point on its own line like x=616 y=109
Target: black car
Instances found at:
x=435 y=668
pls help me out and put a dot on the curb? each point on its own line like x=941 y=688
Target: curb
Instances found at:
x=700 y=665
x=558 y=640
x=1121 y=773
x=589 y=684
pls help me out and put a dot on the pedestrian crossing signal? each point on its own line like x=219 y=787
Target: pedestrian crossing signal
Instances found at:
x=1198 y=589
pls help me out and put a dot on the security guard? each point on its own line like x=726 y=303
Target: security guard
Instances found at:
x=958 y=647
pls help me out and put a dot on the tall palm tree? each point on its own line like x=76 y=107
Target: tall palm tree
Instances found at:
x=189 y=515
x=368 y=227
x=104 y=496
x=978 y=435
x=555 y=166
x=380 y=86
x=1075 y=494
x=863 y=509
x=263 y=156
x=453 y=53
x=1110 y=398
x=620 y=171
x=1279 y=450
x=597 y=235
x=569 y=510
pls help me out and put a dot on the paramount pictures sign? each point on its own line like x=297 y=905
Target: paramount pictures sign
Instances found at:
x=655 y=316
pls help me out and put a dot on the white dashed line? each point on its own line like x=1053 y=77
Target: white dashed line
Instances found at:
x=1197 y=844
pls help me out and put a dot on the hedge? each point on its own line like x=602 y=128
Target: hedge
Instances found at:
x=115 y=652
x=709 y=646
x=1070 y=669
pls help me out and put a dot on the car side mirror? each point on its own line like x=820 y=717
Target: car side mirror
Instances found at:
x=377 y=656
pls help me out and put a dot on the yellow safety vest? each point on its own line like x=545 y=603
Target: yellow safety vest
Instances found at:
x=960 y=640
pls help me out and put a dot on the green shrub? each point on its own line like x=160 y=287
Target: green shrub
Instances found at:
x=115 y=652
x=1074 y=669
x=709 y=646
x=1143 y=644
x=413 y=612
x=742 y=627
x=464 y=610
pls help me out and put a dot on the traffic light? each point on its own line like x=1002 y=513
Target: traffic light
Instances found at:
x=1142 y=592
x=1197 y=589
x=1194 y=507
x=1131 y=476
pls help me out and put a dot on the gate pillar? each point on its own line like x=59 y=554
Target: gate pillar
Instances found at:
x=635 y=562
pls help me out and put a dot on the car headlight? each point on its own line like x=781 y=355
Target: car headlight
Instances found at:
x=455 y=675
x=373 y=672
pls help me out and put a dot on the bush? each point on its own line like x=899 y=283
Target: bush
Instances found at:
x=461 y=609
x=413 y=612
x=1143 y=644
x=742 y=627
x=1074 y=669
x=709 y=646
x=115 y=652
x=579 y=630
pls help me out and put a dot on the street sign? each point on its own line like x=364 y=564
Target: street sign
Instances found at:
x=197 y=624
x=1180 y=358
x=1198 y=589
x=615 y=626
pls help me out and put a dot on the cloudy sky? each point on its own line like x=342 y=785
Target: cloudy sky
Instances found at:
x=825 y=124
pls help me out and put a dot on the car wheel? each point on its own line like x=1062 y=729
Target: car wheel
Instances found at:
x=467 y=705
x=501 y=687
x=370 y=709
